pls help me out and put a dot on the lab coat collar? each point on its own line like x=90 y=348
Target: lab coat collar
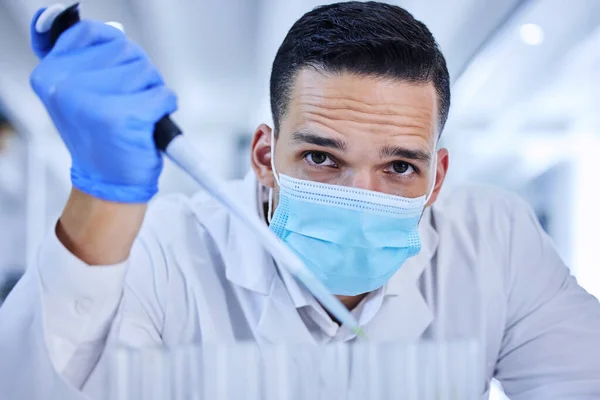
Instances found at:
x=405 y=314
x=278 y=322
x=248 y=264
x=414 y=267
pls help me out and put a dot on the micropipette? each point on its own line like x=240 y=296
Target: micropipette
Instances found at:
x=170 y=140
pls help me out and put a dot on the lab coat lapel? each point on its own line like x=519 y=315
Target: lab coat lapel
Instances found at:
x=250 y=266
x=402 y=318
x=405 y=315
x=247 y=263
x=279 y=321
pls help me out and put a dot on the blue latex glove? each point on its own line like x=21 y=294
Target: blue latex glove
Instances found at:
x=104 y=97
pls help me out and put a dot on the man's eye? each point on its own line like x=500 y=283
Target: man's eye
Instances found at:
x=403 y=168
x=318 y=158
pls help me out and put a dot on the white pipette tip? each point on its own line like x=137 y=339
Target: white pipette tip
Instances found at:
x=360 y=333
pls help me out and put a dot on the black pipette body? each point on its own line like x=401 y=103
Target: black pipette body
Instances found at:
x=165 y=130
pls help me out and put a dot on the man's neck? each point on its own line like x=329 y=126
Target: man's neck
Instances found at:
x=351 y=301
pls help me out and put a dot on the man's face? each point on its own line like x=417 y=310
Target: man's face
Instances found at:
x=356 y=131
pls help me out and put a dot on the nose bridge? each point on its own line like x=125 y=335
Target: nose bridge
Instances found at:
x=363 y=179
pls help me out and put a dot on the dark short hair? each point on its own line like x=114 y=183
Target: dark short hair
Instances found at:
x=364 y=38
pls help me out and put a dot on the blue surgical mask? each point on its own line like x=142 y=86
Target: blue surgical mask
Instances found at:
x=353 y=240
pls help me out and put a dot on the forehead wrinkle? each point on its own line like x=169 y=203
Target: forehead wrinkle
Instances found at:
x=405 y=115
x=392 y=120
x=398 y=122
x=377 y=106
x=357 y=105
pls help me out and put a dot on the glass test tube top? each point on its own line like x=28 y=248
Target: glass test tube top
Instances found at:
x=423 y=371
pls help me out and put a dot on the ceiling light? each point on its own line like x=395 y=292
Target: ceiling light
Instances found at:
x=531 y=34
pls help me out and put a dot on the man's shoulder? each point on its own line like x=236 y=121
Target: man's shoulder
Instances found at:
x=480 y=209
x=478 y=225
x=173 y=210
x=472 y=198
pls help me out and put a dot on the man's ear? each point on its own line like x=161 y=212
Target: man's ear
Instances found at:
x=260 y=156
x=442 y=169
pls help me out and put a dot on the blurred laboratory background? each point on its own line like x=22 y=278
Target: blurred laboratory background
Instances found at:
x=525 y=113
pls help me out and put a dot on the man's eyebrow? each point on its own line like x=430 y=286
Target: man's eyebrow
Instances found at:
x=417 y=155
x=300 y=137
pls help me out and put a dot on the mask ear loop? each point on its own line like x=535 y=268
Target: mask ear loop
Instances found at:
x=270 y=208
x=434 y=172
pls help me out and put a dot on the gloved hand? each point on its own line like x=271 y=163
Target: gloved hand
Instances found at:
x=104 y=97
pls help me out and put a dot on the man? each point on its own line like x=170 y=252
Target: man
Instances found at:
x=359 y=94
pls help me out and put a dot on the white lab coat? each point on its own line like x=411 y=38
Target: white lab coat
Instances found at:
x=196 y=275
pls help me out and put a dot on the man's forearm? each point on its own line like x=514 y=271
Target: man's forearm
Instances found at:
x=99 y=232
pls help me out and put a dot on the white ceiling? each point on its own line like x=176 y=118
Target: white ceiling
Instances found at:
x=217 y=56
x=516 y=106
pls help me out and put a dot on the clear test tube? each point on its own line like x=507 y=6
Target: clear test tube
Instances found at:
x=215 y=367
x=395 y=385
x=209 y=366
x=194 y=375
x=274 y=372
x=253 y=372
x=458 y=372
x=178 y=373
x=377 y=371
x=343 y=357
x=224 y=380
x=268 y=372
x=120 y=380
x=473 y=372
x=443 y=364
x=360 y=376
x=411 y=373
x=311 y=362
x=152 y=374
x=324 y=382
x=136 y=381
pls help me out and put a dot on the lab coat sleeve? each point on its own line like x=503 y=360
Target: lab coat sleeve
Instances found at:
x=550 y=346
x=60 y=319
x=57 y=313
x=79 y=303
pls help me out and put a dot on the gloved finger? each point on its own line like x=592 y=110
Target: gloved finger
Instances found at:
x=85 y=33
x=56 y=73
x=131 y=77
x=96 y=57
x=40 y=42
x=150 y=105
